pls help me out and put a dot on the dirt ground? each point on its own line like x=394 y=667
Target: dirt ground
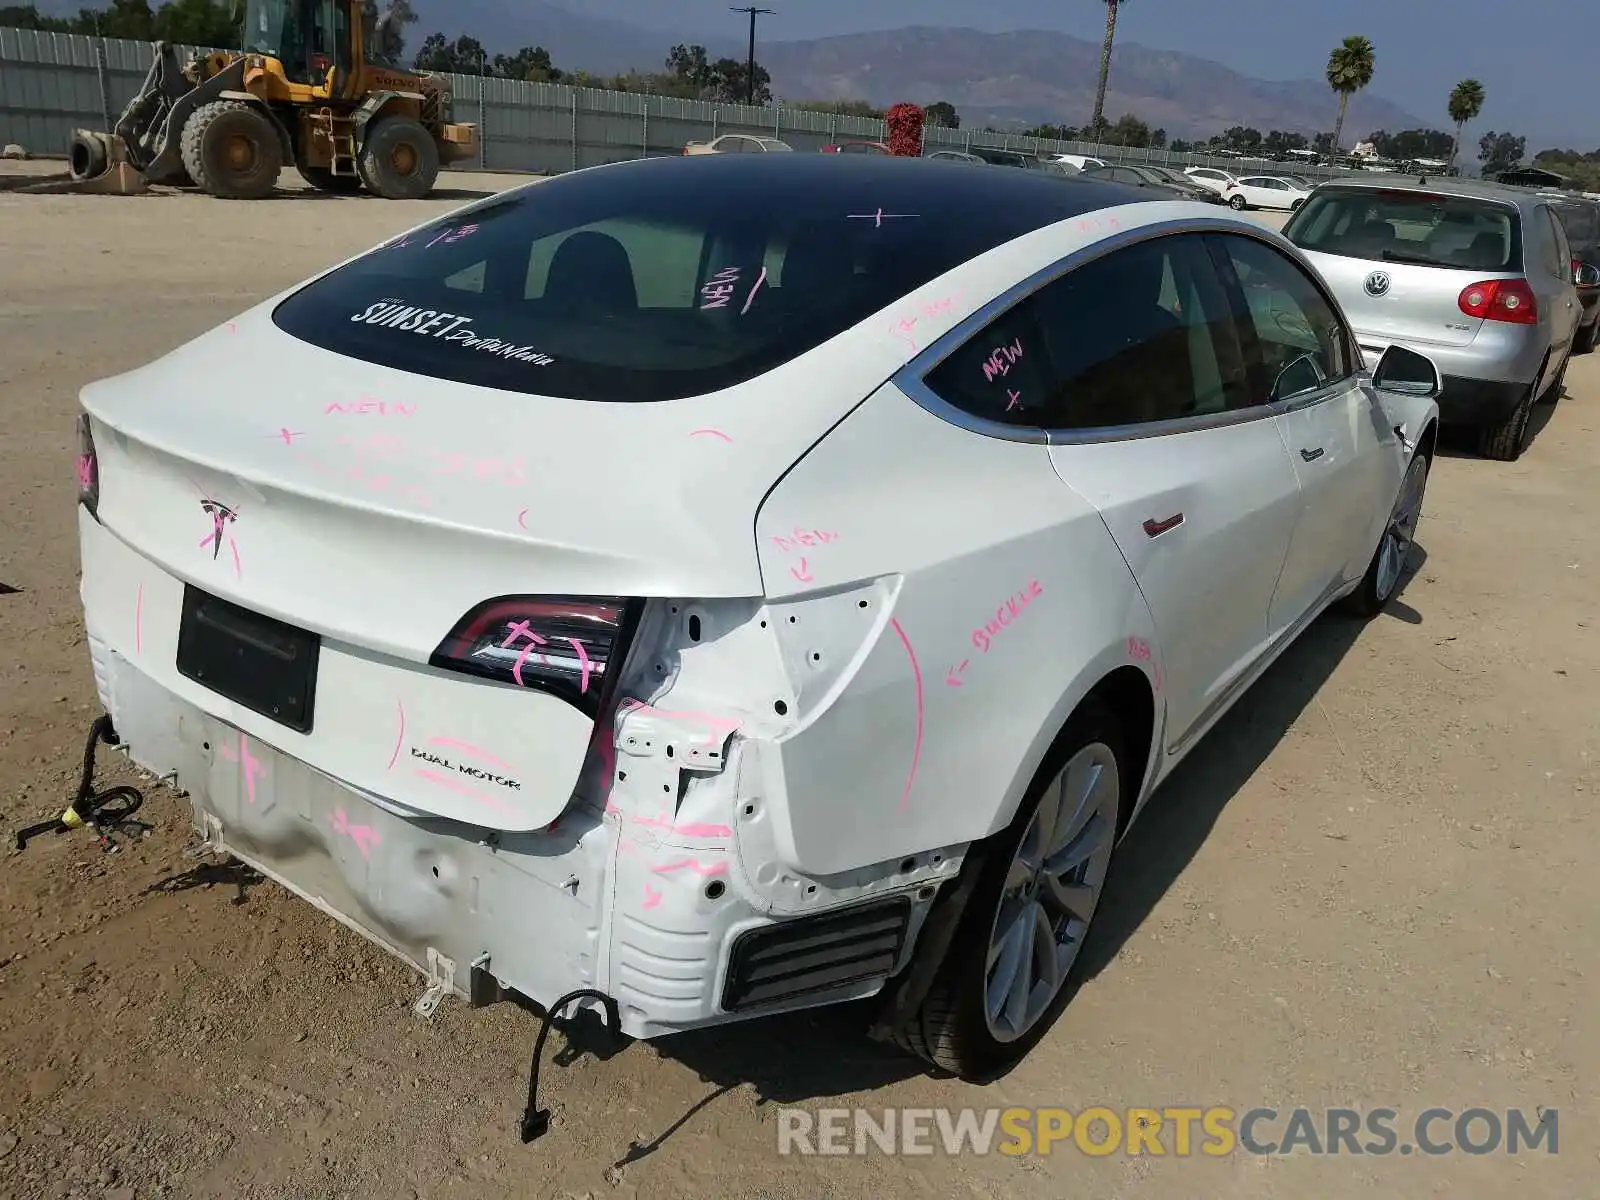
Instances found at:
x=1375 y=884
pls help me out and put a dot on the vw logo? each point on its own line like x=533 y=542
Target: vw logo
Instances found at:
x=1378 y=283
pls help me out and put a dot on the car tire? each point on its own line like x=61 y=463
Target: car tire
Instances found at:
x=1552 y=394
x=231 y=149
x=1295 y=207
x=1016 y=905
x=1506 y=441
x=1388 y=566
x=1237 y=203
x=1585 y=341
x=398 y=159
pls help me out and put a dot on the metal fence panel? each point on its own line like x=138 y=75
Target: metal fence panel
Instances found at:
x=51 y=84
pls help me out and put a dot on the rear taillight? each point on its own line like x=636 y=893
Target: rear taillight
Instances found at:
x=1577 y=265
x=88 y=467
x=570 y=646
x=1500 y=300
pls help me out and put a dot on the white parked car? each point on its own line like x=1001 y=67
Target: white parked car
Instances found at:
x=1264 y=191
x=1210 y=177
x=731 y=588
x=739 y=143
x=1075 y=160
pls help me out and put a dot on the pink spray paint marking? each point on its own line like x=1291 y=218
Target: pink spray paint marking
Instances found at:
x=804 y=537
x=138 y=621
x=704 y=870
x=252 y=767
x=802 y=572
x=916 y=747
x=370 y=406
x=364 y=836
x=1000 y=361
x=904 y=329
x=400 y=737
x=905 y=332
x=288 y=435
x=950 y=676
x=520 y=629
x=703 y=831
x=221 y=518
x=1008 y=612
x=709 y=432
x=455 y=785
x=85 y=471
x=522 y=518
x=719 y=289
x=451 y=236
x=476 y=752
x=510 y=472
x=651 y=897
x=1138 y=649
x=232 y=328
x=756 y=287
x=1012 y=399
x=583 y=662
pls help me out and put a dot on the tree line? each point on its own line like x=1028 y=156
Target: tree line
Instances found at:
x=690 y=72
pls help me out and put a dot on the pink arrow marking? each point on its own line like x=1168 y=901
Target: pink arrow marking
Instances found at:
x=802 y=573
x=232 y=328
x=288 y=436
x=950 y=675
x=364 y=836
x=651 y=896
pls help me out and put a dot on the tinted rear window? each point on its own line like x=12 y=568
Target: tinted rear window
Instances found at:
x=1582 y=223
x=1458 y=232
x=667 y=278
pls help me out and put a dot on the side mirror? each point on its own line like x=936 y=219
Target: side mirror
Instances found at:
x=1407 y=373
x=1586 y=276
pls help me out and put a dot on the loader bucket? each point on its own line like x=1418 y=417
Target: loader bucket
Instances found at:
x=97 y=164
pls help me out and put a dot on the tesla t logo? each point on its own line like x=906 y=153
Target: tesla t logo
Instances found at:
x=1378 y=284
x=221 y=517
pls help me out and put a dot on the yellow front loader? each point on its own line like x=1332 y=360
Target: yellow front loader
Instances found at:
x=303 y=93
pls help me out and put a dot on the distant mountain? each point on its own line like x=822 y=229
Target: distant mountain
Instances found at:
x=1037 y=75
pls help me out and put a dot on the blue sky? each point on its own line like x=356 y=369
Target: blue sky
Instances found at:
x=1537 y=58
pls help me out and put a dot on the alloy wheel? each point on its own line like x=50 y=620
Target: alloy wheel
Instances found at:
x=1050 y=892
x=1401 y=532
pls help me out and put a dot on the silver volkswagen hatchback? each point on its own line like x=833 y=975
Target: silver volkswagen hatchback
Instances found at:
x=1477 y=276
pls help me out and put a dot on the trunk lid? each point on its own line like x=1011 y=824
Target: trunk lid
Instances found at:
x=377 y=508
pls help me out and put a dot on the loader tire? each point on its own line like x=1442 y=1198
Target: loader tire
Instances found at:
x=87 y=157
x=231 y=150
x=325 y=180
x=398 y=159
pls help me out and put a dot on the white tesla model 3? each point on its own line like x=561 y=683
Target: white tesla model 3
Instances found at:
x=738 y=584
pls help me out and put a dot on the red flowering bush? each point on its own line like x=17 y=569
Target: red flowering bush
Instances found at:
x=905 y=130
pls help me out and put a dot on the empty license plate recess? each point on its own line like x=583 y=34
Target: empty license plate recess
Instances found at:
x=256 y=661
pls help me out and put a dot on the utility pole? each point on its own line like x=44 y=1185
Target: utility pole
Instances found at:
x=750 y=64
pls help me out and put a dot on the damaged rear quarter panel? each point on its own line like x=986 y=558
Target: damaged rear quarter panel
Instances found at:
x=1005 y=600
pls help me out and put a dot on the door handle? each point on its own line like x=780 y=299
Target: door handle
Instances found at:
x=1311 y=455
x=1155 y=528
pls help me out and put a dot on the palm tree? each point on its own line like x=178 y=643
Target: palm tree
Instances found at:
x=1349 y=70
x=1466 y=102
x=1098 y=123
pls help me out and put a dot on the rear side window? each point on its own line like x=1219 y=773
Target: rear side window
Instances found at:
x=637 y=283
x=1458 y=232
x=1143 y=334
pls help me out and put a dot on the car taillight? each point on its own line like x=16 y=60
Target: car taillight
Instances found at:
x=88 y=467
x=1577 y=265
x=1500 y=300
x=570 y=646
